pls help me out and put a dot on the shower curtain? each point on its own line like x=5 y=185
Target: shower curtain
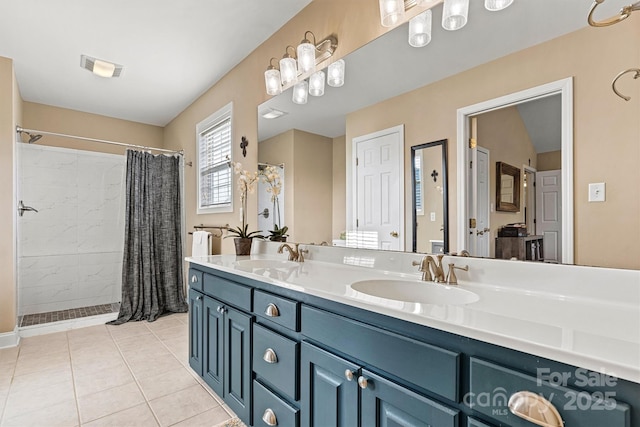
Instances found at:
x=152 y=279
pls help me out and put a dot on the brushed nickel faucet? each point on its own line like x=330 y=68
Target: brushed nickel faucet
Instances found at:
x=295 y=254
x=432 y=270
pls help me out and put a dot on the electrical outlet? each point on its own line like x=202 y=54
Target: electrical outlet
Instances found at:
x=597 y=192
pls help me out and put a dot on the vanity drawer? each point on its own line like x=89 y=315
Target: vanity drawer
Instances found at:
x=427 y=366
x=491 y=387
x=282 y=311
x=227 y=291
x=472 y=422
x=195 y=279
x=268 y=405
x=275 y=358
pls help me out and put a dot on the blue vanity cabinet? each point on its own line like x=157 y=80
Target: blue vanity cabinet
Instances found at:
x=329 y=389
x=195 y=331
x=220 y=334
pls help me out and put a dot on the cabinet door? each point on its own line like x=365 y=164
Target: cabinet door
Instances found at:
x=385 y=403
x=213 y=345
x=195 y=331
x=329 y=399
x=237 y=362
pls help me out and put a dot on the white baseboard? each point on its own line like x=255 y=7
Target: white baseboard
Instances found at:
x=9 y=339
x=66 y=325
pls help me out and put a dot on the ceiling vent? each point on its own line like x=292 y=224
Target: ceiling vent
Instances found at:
x=100 y=67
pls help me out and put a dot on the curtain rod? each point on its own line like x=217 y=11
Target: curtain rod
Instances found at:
x=103 y=141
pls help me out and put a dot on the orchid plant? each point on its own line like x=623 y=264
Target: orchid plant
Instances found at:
x=271 y=176
x=246 y=185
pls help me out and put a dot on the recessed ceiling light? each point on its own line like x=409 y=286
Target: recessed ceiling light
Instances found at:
x=100 y=67
x=272 y=113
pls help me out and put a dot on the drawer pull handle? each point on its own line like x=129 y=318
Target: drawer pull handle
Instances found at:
x=269 y=417
x=270 y=356
x=362 y=382
x=535 y=409
x=194 y=278
x=348 y=374
x=272 y=310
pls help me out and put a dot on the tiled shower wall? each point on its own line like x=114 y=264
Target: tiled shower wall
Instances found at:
x=70 y=252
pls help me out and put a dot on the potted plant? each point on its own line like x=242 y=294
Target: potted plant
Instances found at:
x=246 y=185
x=271 y=177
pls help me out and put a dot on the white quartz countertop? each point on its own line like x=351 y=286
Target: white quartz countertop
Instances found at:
x=580 y=328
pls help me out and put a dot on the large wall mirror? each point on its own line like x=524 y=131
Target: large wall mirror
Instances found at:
x=389 y=83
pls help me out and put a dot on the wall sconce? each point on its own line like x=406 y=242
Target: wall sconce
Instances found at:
x=294 y=72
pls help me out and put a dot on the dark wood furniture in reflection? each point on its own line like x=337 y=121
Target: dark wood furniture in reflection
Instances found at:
x=529 y=248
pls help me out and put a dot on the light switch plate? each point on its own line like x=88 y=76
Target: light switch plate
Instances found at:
x=597 y=192
x=433 y=216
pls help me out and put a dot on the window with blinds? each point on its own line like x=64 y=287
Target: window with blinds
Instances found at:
x=417 y=167
x=214 y=163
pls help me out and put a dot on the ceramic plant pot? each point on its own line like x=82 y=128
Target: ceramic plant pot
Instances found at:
x=243 y=245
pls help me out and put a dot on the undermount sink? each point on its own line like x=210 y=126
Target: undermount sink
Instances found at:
x=416 y=292
x=266 y=263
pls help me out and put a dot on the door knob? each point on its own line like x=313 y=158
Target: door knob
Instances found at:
x=22 y=208
x=394 y=234
x=479 y=232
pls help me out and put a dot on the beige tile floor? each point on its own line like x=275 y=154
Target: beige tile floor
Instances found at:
x=136 y=374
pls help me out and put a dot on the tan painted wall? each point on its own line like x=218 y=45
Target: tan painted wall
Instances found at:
x=10 y=115
x=496 y=130
x=71 y=122
x=244 y=86
x=339 y=214
x=549 y=161
x=429 y=114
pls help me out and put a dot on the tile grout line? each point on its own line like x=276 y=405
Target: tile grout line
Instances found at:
x=135 y=379
x=73 y=379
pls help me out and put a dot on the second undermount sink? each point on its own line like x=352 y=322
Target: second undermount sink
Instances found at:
x=266 y=263
x=415 y=291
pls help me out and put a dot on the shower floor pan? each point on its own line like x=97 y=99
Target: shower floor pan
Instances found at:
x=72 y=313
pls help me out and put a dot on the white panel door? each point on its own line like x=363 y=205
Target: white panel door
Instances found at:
x=378 y=192
x=549 y=213
x=479 y=236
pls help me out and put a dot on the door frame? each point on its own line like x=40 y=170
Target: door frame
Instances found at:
x=564 y=88
x=352 y=179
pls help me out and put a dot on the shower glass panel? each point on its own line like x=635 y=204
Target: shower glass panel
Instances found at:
x=70 y=251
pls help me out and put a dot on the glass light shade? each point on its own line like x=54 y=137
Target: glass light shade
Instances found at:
x=272 y=81
x=495 y=5
x=455 y=14
x=391 y=12
x=306 y=58
x=316 y=83
x=335 y=76
x=300 y=92
x=288 y=71
x=420 y=29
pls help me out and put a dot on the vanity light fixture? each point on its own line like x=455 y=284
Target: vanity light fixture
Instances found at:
x=272 y=79
x=100 y=67
x=391 y=12
x=495 y=5
x=455 y=14
x=300 y=92
x=420 y=29
x=335 y=76
x=316 y=84
x=288 y=68
x=307 y=54
x=293 y=70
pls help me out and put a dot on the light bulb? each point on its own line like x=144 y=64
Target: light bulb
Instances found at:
x=391 y=12
x=306 y=57
x=316 y=84
x=272 y=81
x=300 y=92
x=335 y=76
x=288 y=71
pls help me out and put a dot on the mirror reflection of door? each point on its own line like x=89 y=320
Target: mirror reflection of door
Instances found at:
x=528 y=134
x=430 y=203
x=379 y=188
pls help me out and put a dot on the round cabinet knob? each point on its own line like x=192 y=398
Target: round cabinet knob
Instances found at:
x=270 y=356
x=269 y=417
x=220 y=309
x=348 y=374
x=272 y=310
x=362 y=382
x=194 y=278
